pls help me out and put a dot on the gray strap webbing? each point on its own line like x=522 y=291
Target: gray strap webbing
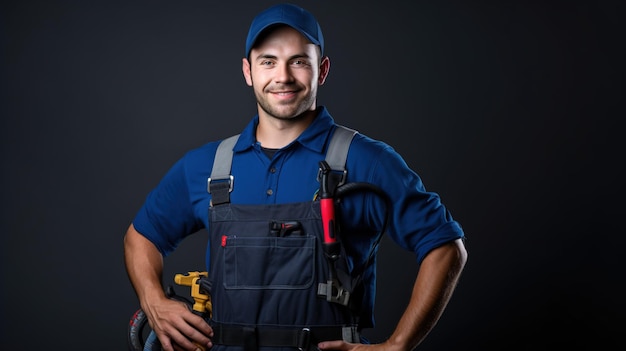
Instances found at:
x=224 y=158
x=336 y=156
x=220 y=184
x=338 y=147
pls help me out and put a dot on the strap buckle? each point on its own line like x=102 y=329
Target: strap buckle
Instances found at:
x=230 y=181
x=334 y=178
x=304 y=339
x=333 y=291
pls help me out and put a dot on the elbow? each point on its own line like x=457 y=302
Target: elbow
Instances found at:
x=461 y=252
x=451 y=257
x=457 y=254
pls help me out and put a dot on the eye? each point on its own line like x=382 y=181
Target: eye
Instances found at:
x=266 y=63
x=300 y=63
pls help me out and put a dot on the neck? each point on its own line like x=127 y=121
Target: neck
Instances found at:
x=276 y=133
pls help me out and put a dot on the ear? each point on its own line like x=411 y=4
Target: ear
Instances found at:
x=324 y=69
x=245 y=68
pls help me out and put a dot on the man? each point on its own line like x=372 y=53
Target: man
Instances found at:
x=272 y=287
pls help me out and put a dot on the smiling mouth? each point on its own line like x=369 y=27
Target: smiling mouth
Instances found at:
x=284 y=95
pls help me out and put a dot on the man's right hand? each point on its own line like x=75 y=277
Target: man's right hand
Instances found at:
x=177 y=327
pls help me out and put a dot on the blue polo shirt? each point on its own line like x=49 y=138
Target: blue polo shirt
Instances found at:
x=419 y=222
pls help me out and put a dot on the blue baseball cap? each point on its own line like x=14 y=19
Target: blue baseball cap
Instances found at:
x=291 y=15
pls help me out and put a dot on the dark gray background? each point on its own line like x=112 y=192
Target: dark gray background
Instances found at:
x=508 y=109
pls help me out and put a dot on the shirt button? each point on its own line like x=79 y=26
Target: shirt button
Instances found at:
x=269 y=192
x=272 y=170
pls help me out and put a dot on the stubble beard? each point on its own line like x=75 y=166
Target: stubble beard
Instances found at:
x=288 y=112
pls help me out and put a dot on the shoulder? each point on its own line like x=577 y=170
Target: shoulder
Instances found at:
x=365 y=144
x=367 y=149
x=201 y=153
x=371 y=159
x=199 y=159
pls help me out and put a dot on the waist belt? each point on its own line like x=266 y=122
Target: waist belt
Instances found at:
x=251 y=337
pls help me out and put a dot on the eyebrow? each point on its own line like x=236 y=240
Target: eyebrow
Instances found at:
x=268 y=56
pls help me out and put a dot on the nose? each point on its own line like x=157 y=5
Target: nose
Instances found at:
x=283 y=74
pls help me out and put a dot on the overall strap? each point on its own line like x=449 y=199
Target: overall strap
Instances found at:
x=220 y=184
x=336 y=156
x=338 y=147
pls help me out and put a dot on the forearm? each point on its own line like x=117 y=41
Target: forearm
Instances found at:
x=144 y=265
x=171 y=320
x=434 y=285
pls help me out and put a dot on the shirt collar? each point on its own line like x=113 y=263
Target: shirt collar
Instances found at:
x=314 y=136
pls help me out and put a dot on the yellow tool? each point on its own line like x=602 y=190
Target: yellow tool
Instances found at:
x=202 y=303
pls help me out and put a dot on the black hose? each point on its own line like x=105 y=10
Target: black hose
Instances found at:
x=350 y=188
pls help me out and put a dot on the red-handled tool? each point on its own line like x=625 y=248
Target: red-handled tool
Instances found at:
x=327 y=205
x=332 y=290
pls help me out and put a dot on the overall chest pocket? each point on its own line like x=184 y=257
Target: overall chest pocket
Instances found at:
x=269 y=262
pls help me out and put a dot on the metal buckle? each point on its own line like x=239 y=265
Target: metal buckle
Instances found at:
x=304 y=339
x=230 y=180
x=344 y=175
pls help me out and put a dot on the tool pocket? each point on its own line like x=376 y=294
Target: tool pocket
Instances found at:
x=268 y=262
